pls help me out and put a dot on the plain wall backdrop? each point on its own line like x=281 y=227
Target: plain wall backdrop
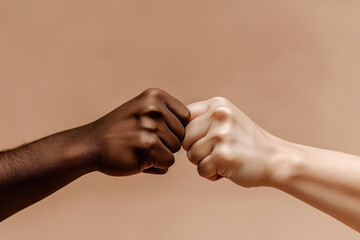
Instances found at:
x=291 y=66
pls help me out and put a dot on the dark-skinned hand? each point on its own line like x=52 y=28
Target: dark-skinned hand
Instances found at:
x=141 y=135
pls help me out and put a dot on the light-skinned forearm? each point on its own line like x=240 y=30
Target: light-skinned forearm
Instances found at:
x=327 y=180
x=223 y=142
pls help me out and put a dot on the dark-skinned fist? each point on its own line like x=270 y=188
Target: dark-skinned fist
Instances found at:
x=141 y=135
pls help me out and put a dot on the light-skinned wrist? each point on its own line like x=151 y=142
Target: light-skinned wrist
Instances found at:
x=286 y=161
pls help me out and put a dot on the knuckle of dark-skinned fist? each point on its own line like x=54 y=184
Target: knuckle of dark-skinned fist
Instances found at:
x=182 y=134
x=153 y=92
x=176 y=147
x=187 y=115
x=170 y=160
x=152 y=110
x=146 y=140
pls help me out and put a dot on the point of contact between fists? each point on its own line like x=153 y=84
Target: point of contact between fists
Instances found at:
x=205 y=113
x=160 y=105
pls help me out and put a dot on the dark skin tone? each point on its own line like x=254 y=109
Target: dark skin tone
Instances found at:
x=139 y=136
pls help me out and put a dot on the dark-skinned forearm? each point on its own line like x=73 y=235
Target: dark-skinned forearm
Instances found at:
x=34 y=171
x=141 y=135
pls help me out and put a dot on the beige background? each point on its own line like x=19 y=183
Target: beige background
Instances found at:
x=292 y=66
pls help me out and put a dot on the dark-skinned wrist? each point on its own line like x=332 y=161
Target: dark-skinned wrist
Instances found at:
x=83 y=148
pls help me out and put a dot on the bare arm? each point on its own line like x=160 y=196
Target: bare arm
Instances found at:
x=139 y=136
x=34 y=171
x=228 y=144
x=327 y=180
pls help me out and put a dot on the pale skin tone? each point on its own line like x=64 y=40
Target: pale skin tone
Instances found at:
x=224 y=143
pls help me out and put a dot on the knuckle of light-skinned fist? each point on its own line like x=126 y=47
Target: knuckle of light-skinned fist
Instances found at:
x=222 y=114
x=186 y=142
x=206 y=168
x=221 y=136
x=191 y=154
x=218 y=101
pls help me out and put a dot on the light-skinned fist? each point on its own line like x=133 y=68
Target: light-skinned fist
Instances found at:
x=223 y=142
